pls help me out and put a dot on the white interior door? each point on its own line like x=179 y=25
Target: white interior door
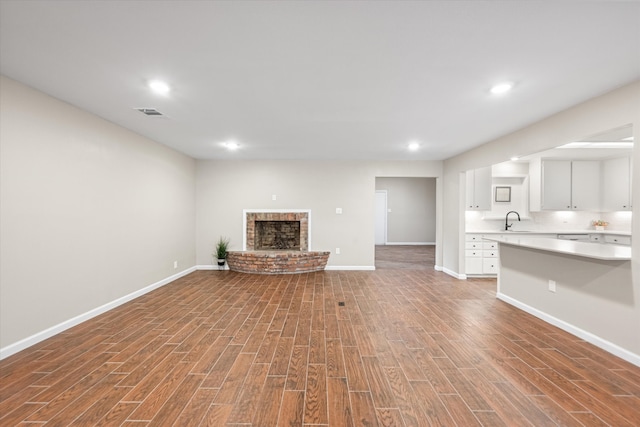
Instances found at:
x=381 y=217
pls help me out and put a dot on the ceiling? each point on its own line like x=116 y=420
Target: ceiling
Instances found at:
x=608 y=144
x=322 y=79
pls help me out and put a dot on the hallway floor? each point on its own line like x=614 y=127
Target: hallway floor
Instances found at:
x=413 y=257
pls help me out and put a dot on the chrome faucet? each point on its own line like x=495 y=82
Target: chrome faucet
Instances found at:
x=506 y=220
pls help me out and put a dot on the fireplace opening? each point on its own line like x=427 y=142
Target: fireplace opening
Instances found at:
x=277 y=235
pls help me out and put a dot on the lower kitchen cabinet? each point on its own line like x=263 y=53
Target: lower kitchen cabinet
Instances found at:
x=481 y=257
x=490 y=265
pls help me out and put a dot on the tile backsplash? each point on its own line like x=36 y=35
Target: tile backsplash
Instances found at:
x=551 y=221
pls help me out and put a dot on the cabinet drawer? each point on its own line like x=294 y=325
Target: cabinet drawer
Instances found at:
x=489 y=253
x=619 y=240
x=490 y=266
x=472 y=253
x=473 y=245
x=596 y=238
x=473 y=237
x=489 y=245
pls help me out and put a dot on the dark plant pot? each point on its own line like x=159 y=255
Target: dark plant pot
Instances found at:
x=221 y=262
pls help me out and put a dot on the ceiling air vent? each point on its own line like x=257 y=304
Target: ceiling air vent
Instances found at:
x=150 y=111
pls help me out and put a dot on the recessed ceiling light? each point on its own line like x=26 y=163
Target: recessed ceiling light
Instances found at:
x=413 y=146
x=159 y=87
x=231 y=145
x=501 y=88
x=514 y=158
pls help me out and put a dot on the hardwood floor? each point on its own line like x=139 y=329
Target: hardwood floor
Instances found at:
x=408 y=348
x=412 y=257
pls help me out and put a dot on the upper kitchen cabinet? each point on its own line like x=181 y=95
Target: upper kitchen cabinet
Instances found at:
x=616 y=180
x=566 y=185
x=556 y=184
x=479 y=189
x=585 y=185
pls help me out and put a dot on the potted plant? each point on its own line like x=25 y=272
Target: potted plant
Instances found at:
x=221 y=250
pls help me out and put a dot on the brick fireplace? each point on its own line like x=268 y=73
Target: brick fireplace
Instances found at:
x=277 y=242
x=276 y=230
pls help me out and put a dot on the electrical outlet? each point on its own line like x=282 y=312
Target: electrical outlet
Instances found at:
x=552 y=285
x=175 y=264
x=339 y=211
x=337 y=251
x=274 y=197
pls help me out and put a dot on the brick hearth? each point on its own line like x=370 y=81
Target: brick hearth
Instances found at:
x=277 y=262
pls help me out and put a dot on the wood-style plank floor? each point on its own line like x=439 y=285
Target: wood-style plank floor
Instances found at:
x=411 y=257
x=408 y=348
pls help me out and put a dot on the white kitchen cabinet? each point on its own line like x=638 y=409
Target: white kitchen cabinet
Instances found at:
x=556 y=185
x=490 y=265
x=481 y=257
x=570 y=185
x=616 y=182
x=585 y=185
x=617 y=239
x=479 y=189
x=473 y=265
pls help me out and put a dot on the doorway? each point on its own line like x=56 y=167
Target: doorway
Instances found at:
x=405 y=222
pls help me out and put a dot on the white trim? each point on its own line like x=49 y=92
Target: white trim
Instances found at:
x=437 y=268
x=386 y=213
x=211 y=267
x=411 y=243
x=580 y=333
x=329 y=267
x=454 y=274
x=351 y=267
x=244 y=222
x=63 y=326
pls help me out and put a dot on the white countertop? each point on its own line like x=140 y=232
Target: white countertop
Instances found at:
x=534 y=232
x=570 y=247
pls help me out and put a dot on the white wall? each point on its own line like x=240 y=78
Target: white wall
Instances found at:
x=225 y=188
x=412 y=204
x=89 y=212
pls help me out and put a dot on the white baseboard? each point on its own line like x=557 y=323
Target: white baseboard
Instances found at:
x=63 y=326
x=411 y=243
x=453 y=273
x=211 y=267
x=329 y=267
x=351 y=267
x=580 y=333
x=437 y=267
